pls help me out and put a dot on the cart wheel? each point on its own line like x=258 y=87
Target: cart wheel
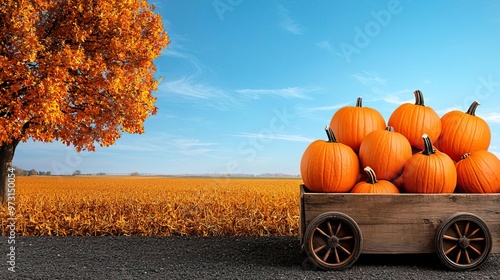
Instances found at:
x=333 y=241
x=463 y=242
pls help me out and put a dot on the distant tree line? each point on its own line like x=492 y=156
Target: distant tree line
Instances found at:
x=21 y=172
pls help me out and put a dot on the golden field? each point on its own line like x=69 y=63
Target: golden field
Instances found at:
x=160 y=206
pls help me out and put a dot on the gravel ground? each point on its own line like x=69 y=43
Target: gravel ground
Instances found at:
x=205 y=258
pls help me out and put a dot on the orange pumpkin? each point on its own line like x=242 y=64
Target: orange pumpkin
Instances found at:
x=429 y=171
x=399 y=183
x=463 y=133
x=385 y=151
x=352 y=123
x=373 y=185
x=413 y=120
x=479 y=172
x=329 y=166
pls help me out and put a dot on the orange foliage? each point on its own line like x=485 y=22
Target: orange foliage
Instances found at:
x=78 y=71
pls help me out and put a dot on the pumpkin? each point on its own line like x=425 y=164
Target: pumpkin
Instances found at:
x=478 y=172
x=372 y=185
x=329 y=166
x=352 y=123
x=463 y=133
x=429 y=171
x=413 y=120
x=399 y=183
x=385 y=151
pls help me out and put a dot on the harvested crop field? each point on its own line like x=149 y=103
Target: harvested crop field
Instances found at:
x=154 y=206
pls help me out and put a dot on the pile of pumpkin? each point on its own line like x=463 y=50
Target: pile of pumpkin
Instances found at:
x=417 y=152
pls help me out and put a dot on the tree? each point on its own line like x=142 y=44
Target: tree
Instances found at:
x=77 y=172
x=18 y=171
x=80 y=72
x=32 y=172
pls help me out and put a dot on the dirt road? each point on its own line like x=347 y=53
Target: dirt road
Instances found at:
x=204 y=258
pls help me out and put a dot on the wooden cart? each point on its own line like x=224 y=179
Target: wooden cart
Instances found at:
x=335 y=228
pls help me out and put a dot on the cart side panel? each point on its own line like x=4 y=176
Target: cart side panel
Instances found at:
x=403 y=223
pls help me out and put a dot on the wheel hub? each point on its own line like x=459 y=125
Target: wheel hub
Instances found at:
x=333 y=242
x=464 y=242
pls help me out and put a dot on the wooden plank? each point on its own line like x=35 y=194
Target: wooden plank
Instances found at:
x=402 y=223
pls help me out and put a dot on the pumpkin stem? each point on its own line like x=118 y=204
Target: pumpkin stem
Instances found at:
x=428 y=150
x=372 y=179
x=466 y=155
x=419 y=98
x=329 y=133
x=472 y=108
x=359 y=102
x=389 y=128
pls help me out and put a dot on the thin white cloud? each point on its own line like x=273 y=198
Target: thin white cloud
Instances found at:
x=135 y=148
x=184 y=143
x=448 y=109
x=173 y=51
x=188 y=87
x=192 y=147
x=325 y=45
x=326 y=108
x=191 y=88
x=284 y=137
x=368 y=77
x=288 y=23
x=160 y=143
x=394 y=97
x=491 y=117
x=177 y=49
x=290 y=92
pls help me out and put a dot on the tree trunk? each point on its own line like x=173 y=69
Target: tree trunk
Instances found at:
x=6 y=156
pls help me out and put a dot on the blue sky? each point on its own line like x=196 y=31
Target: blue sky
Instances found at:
x=247 y=85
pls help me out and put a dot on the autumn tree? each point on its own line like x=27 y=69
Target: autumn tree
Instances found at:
x=80 y=72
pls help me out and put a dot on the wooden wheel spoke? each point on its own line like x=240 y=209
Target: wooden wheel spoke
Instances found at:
x=346 y=237
x=476 y=239
x=319 y=248
x=345 y=250
x=447 y=237
x=466 y=228
x=457 y=230
x=327 y=254
x=450 y=249
x=330 y=228
x=474 y=232
x=322 y=232
x=475 y=249
x=337 y=258
x=467 y=257
x=338 y=229
x=458 y=256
